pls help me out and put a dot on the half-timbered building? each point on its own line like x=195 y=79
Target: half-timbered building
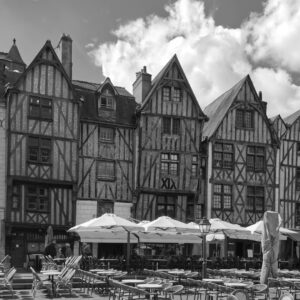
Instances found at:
x=11 y=66
x=288 y=131
x=106 y=150
x=42 y=126
x=241 y=149
x=168 y=175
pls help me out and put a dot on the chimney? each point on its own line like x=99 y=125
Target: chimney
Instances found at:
x=264 y=103
x=142 y=85
x=66 y=54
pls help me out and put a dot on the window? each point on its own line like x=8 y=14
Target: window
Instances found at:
x=39 y=150
x=166 y=206
x=255 y=199
x=169 y=163
x=106 y=101
x=16 y=196
x=256 y=159
x=106 y=170
x=190 y=209
x=104 y=207
x=37 y=198
x=171 y=125
x=298 y=179
x=177 y=94
x=298 y=149
x=222 y=198
x=166 y=93
x=40 y=108
x=223 y=156
x=244 y=118
x=106 y=134
x=194 y=165
x=297 y=215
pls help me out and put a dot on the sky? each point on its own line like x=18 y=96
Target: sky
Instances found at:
x=218 y=42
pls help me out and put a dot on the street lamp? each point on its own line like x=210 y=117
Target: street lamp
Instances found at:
x=204 y=226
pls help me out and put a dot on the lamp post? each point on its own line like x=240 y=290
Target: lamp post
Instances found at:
x=204 y=227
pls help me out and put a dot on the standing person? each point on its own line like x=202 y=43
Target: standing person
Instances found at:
x=51 y=249
x=68 y=251
x=86 y=250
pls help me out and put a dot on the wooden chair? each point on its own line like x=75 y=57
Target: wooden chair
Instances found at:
x=6 y=282
x=241 y=294
x=65 y=282
x=38 y=283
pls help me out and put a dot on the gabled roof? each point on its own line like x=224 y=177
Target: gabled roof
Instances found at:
x=289 y=120
x=161 y=75
x=14 y=54
x=217 y=110
x=38 y=57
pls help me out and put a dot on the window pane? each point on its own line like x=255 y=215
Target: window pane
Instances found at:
x=167 y=125
x=33 y=154
x=227 y=160
x=106 y=134
x=103 y=102
x=259 y=205
x=248 y=119
x=227 y=147
x=174 y=157
x=46 y=143
x=33 y=141
x=217 y=201
x=173 y=168
x=194 y=170
x=218 y=147
x=250 y=162
x=217 y=160
x=46 y=112
x=218 y=188
x=194 y=158
x=176 y=126
x=106 y=169
x=177 y=94
x=227 y=189
x=164 y=167
x=239 y=121
x=250 y=203
x=227 y=202
x=34 y=111
x=164 y=156
x=45 y=155
x=259 y=163
x=166 y=93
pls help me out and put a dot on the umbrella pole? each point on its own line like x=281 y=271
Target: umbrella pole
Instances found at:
x=128 y=252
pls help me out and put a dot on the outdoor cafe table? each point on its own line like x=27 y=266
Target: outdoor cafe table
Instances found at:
x=51 y=274
x=178 y=273
x=214 y=280
x=132 y=281
x=151 y=287
x=106 y=273
x=236 y=284
x=157 y=261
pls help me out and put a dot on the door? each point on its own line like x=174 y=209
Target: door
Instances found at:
x=17 y=252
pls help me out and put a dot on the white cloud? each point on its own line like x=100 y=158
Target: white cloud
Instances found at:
x=213 y=57
x=89 y=45
x=274 y=35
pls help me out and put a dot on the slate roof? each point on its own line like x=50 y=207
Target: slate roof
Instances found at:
x=289 y=120
x=95 y=86
x=217 y=110
x=15 y=55
x=125 y=104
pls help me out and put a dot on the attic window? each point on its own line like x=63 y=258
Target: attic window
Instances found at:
x=244 y=119
x=166 y=93
x=177 y=94
x=106 y=101
x=40 y=108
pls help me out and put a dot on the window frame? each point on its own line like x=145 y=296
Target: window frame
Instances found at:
x=40 y=106
x=109 y=97
x=255 y=196
x=38 y=197
x=175 y=97
x=195 y=166
x=297 y=183
x=164 y=96
x=256 y=155
x=243 y=119
x=106 y=177
x=171 y=130
x=222 y=195
x=101 y=203
x=102 y=140
x=223 y=152
x=169 y=162
x=166 y=205
x=40 y=147
x=16 y=194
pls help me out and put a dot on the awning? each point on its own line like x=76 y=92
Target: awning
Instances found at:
x=150 y=237
x=106 y=237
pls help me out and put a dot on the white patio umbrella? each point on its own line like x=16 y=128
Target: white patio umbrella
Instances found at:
x=168 y=224
x=105 y=224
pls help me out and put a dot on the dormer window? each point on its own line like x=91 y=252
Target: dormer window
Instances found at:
x=106 y=101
